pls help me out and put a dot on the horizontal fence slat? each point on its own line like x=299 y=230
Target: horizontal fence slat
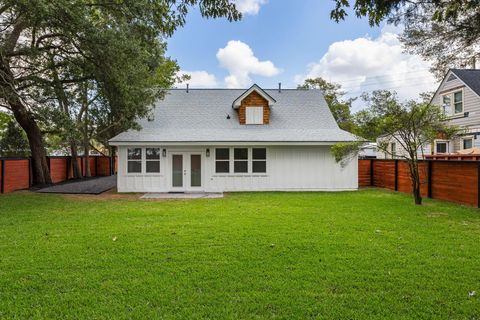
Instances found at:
x=15 y=173
x=451 y=180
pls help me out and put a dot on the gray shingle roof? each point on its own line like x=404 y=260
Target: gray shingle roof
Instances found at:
x=471 y=77
x=201 y=116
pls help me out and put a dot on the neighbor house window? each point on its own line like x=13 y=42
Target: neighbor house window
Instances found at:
x=240 y=160
x=254 y=115
x=222 y=160
x=453 y=102
x=467 y=143
x=134 y=160
x=152 y=157
x=393 y=149
x=441 y=147
x=458 y=101
x=259 y=160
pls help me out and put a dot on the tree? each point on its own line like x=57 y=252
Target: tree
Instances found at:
x=47 y=45
x=13 y=142
x=447 y=33
x=426 y=36
x=411 y=125
x=333 y=93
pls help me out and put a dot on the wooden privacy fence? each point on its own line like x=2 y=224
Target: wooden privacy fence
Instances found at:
x=16 y=173
x=452 y=180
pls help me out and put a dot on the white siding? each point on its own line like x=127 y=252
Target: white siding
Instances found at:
x=289 y=168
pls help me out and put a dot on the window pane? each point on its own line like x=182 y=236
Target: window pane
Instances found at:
x=458 y=96
x=195 y=170
x=259 y=166
x=222 y=167
x=152 y=153
x=240 y=166
x=441 y=147
x=467 y=143
x=260 y=153
x=458 y=107
x=134 y=166
x=153 y=166
x=177 y=170
x=446 y=100
x=134 y=153
x=241 y=154
x=222 y=153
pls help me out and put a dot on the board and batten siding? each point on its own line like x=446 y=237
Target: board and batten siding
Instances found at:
x=289 y=168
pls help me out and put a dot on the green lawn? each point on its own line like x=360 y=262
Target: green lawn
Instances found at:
x=370 y=254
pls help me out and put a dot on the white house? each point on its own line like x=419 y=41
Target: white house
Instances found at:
x=215 y=140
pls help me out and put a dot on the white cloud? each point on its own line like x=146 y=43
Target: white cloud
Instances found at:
x=367 y=64
x=199 y=79
x=238 y=58
x=251 y=7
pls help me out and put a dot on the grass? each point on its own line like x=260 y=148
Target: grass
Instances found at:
x=370 y=254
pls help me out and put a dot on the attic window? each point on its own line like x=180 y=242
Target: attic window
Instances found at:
x=254 y=115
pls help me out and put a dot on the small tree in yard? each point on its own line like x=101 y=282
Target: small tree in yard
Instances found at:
x=411 y=125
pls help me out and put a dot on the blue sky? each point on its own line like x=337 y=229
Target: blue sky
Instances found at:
x=287 y=41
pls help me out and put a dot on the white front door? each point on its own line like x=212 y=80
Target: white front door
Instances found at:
x=186 y=171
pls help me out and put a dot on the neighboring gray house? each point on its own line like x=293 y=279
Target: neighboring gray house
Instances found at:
x=216 y=140
x=458 y=95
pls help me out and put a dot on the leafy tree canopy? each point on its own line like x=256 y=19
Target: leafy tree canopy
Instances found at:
x=333 y=94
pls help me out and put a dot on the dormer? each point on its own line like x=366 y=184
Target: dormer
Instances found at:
x=254 y=106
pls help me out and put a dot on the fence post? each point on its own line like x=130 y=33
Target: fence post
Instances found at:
x=2 y=183
x=429 y=177
x=371 y=173
x=396 y=174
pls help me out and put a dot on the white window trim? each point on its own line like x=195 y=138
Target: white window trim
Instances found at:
x=468 y=138
x=442 y=141
x=222 y=160
x=232 y=172
x=452 y=101
x=143 y=161
x=257 y=112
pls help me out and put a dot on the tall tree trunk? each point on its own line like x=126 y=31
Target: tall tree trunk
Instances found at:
x=41 y=172
x=77 y=172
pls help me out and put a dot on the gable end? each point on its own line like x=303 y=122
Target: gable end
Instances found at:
x=253 y=100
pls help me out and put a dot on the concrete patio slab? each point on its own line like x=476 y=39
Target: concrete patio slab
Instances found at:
x=201 y=195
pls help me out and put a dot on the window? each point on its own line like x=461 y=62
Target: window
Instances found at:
x=259 y=160
x=441 y=147
x=447 y=104
x=458 y=101
x=254 y=115
x=152 y=160
x=467 y=143
x=134 y=160
x=452 y=103
x=222 y=160
x=393 y=149
x=240 y=160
